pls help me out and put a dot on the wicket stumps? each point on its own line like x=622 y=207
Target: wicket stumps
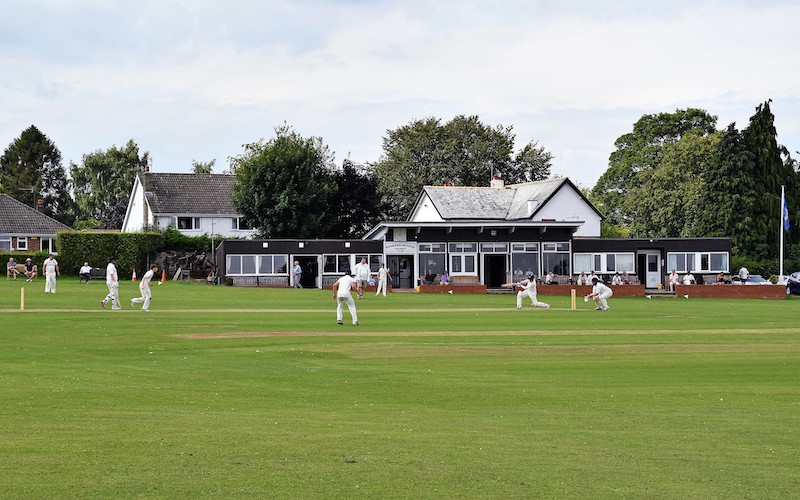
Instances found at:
x=573 y=304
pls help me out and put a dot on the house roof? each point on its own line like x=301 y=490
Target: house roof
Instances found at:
x=512 y=202
x=172 y=193
x=18 y=218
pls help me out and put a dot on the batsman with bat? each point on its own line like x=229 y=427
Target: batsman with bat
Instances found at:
x=527 y=288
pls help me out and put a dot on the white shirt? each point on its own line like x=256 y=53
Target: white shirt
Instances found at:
x=616 y=280
x=674 y=279
x=529 y=285
x=86 y=269
x=382 y=273
x=297 y=270
x=146 y=279
x=744 y=273
x=111 y=273
x=600 y=289
x=362 y=272
x=50 y=266
x=688 y=279
x=345 y=283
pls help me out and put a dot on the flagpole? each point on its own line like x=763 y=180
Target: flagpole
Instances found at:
x=781 y=226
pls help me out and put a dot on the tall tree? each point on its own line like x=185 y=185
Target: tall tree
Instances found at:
x=641 y=150
x=102 y=183
x=357 y=204
x=463 y=151
x=31 y=170
x=285 y=186
x=725 y=209
x=770 y=172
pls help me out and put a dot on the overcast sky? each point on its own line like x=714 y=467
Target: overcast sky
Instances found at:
x=195 y=79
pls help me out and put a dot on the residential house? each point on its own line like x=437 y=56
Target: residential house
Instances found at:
x=23 y=228
x=194 y=204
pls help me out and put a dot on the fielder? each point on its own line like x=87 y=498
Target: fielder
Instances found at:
x=600 y=294
x=341 y=292
x=383 y=277
x=528 y=287
x=144 y=289
x=51 y=270
x=112 y=282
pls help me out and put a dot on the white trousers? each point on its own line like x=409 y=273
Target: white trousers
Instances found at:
x=351 y=305
x=381 y=286
x=146 y=296
x=602 y=300
x=113 y=295
x=534 y=301
x=50 y=283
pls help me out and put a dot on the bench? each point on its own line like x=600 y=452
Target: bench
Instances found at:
x=95 y=273
x=467 y=279
x=21 y=271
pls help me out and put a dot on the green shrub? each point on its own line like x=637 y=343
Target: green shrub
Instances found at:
x=130 y=249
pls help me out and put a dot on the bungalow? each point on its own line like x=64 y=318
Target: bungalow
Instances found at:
x=24 y=229
x=194 y=204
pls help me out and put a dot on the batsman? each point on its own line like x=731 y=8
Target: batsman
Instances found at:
x=527 y=288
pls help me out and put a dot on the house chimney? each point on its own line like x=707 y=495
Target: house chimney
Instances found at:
x=497 y=181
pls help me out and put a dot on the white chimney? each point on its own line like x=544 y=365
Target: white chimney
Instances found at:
x=497 y=181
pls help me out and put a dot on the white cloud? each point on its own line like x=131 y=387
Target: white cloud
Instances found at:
x=195 y=80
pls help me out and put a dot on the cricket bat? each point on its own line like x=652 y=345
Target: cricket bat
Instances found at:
x=508 y=285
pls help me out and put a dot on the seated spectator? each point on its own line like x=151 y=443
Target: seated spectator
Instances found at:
x=85 y=273
x=30 y=269
x=674 y=279
x=688 y=279
x=549 y=279
x=11 y=268
x=429 y=278
x=721 y=279
x=593 y=276
x=582 y=279
x=616 y=280
x=445 y=279
x=626 y=280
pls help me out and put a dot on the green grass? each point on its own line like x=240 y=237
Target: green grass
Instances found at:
x=241 y=393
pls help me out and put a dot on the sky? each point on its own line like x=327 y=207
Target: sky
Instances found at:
x=195 y=80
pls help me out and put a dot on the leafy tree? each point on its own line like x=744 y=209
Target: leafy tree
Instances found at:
x=357 y=205
x=31 y=170
x=103 y=183
x=725 y=209
x=663 y=200
x=641 y=150
x=531 y=163
x=285 y=186
x=463 y=151
x=200 y=167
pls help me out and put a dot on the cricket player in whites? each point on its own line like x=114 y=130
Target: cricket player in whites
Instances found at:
x=600 y=294
x=144 y=289
x=341 y=293
x=383 y=277
x=112 y=282
x=528 y=289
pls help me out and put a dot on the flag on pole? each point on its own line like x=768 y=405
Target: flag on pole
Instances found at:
x=785 y=216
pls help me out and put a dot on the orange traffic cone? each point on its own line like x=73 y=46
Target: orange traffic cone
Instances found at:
x=163 y=275
x=133 y=277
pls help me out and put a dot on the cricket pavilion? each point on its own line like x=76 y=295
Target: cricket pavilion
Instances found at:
x=482 y=237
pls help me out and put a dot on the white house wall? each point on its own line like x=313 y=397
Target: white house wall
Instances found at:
x=135 y=218
x=426 y=212
x=567 y=205
x=218 y=225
